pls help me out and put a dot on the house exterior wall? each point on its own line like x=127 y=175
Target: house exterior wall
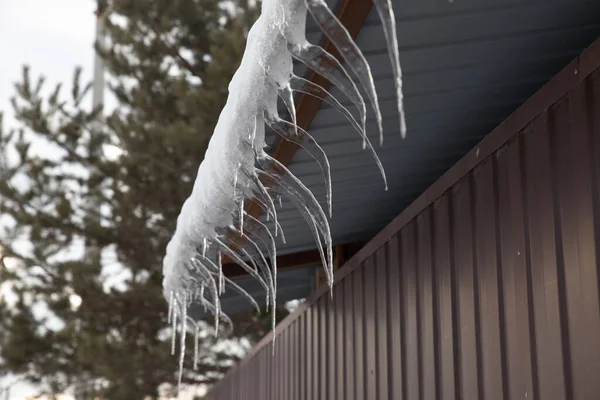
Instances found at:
x=486 y=287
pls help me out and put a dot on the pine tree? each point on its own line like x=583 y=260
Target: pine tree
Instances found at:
x=171 y=62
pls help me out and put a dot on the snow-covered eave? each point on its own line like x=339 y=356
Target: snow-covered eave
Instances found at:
x=217 y=221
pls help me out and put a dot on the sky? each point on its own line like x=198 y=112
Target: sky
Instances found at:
x=52 y=37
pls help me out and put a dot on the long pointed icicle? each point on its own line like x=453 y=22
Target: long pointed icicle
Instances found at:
x=264 y=194
x=238 y=260
x=268 y=277
x=212 y=286
x=221 y=281
x=305 y=86
x=196 y=339
x=272 y=250
x=263 y=261
x=339 y=36
x=263 y=228
x=308 y=143
x=291 y=184
x=276 y=225
x=184 y=319
x=217 y=271
x=298 y=191
x=286 y=94
x=247 y=296
x=171 y=303
x=174 y=327
x=386 y=14
x=326 y=65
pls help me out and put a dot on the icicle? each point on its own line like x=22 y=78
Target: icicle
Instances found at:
x=339 y=36
x=171 y=300
x=174 y=330
x=243 y=292
x=221 y=281
x=212 y=286
x=388 y=21
x=202 y=296
x=286 y=94
x=265 y=229
x=307 y=142
x=265 y=195
x=296 y=189
x=251 y=238
x=182 y=340
x=323 y=63
x=265 y=265
x=235 y=179
x=254 y=131
x=241 y=212
x=239 y=261
x=276 y=225
x=196 y=339
x=305 y=86
x=229 y=176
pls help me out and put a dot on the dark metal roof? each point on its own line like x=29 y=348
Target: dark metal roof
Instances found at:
x=467 y=65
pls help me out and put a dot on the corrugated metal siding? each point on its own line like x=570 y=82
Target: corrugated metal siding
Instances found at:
x=489 y=291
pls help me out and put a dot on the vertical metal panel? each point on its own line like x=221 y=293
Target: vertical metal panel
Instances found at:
x=369 y=321
x=546 y=296
x=410 y=334
x=427 y=380
x=339 y=340
x=468 y=339
x=331 y=347
x=308 y=338
x=284 y=364
x=290 y=361
x=518 y=305
x=315 y=367
x=489 y=281
x=323 y=350
x=349 y=359
x=358 y=344
x=575 y=183
x=395 y=364
x=382 y=323
x=301 y=374
x=491 y=291
x=446 y=321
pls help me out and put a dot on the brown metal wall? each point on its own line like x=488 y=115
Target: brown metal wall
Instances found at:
x=486 y=288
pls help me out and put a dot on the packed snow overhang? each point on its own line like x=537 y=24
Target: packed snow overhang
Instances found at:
x=467 y=65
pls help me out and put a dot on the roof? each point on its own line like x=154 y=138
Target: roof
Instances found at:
x=467 y=65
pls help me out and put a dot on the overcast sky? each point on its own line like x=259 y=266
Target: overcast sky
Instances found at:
x=52 y=37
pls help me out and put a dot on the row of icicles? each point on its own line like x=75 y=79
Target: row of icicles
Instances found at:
x=237 y=170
